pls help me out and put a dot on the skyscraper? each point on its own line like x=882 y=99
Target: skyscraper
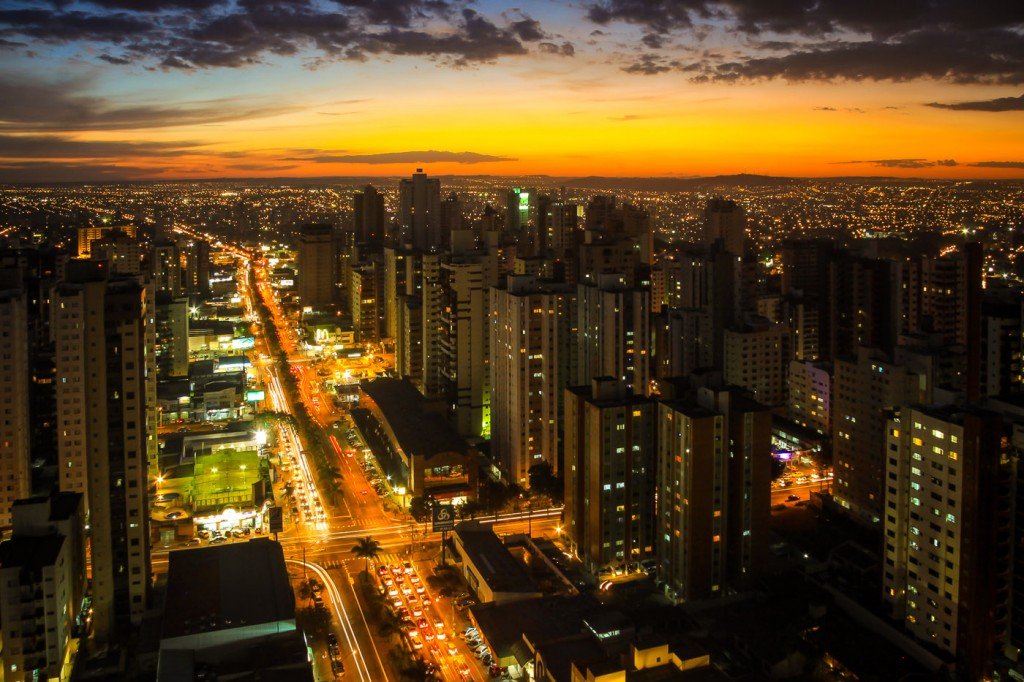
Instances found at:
x=419 y=211
x=100 y=330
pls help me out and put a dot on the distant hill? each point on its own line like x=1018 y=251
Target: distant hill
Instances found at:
x=678 y=184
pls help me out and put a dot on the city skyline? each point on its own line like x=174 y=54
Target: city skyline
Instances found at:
x=169 y=89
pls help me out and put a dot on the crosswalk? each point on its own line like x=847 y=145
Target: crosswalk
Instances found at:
x=389 y=559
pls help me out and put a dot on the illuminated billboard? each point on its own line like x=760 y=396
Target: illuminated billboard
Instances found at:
x=255 y=396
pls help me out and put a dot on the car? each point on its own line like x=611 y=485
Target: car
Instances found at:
x=218 y=540
x=382 y=570
x=397 y=602
x=422 y=623
x=441 y=635
x=174 y=515
x=389 y=582
x=407 y=566
x=420 y=589
x=193 y=542
x=792 y=498
x=332 y=638
x=393 y=592
x=406 y=590
x=438 y=624
x=452 y=649
x=417 y=611
x=417 y=644
x=203 y=534
x=415 y=579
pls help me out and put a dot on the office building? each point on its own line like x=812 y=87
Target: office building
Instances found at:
x=419 y=211
x=862 y=388
x=317 y=265
x=948 y=533
x=725 y=220
x=614 y=332
x=100 y=328
x=756 y=358
x=15 y=363
x=533 y=359
x=609 y=473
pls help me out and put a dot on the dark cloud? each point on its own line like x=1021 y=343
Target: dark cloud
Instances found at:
x=995 y=57
x=63 y=147
x=998 y=104
x=998 y=164
x=117 y=61
x=905 y=163
x=157 y=5
x=430 y=156
x=825 y=109
x=29 y=105
x=951 y=40
x=260 y=167
x=655 y=41
x=56 y=171
x=649 y=65
x=193 y=34
x=528 y=29
x=566 y=49
x=876 y=18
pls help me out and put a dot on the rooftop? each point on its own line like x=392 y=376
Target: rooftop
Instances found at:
x=500 y=570
x=418 y=431
x=30 y=552
x=226 y=586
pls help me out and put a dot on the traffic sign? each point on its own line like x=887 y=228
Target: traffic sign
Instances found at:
x=443 y=518
x=276 y=519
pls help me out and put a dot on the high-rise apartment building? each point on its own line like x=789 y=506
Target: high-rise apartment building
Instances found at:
x=88 y=235
x=365 y=281
x=419 y=211
x=948 y=533
x=368 y=216
x=432 y=302
x=725 y=220
x=609 y=473
x=810 y=395
x=691 y=500
x=614 y=332
x=172 y=323
x=100 y=329
x=714 y=473
x=862 y=389
x=15 y=434
x=42 y=582
x=166 y=268
x=317 y=265
x=466 y=281
x=681 y=341
x=756 y=358
x=533 y=359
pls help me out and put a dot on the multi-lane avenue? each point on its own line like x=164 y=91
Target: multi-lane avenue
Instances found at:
x=321 y=527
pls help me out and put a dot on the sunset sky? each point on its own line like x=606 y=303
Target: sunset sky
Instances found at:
x=125 y=89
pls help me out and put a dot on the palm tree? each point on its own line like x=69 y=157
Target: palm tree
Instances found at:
x=366 y=548
x=308 y=587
